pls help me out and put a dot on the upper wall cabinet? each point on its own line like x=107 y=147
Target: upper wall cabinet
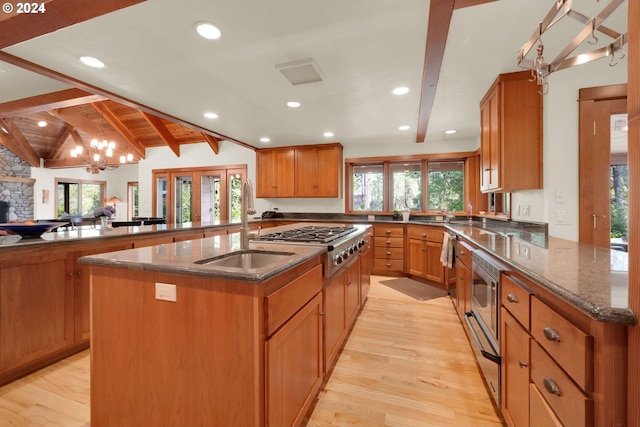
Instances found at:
x=511 y=134
x=304 y=171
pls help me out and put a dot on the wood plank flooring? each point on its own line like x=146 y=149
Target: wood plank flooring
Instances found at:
x=407 y=363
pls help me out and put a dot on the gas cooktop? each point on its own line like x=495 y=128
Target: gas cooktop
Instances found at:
x=311 y=234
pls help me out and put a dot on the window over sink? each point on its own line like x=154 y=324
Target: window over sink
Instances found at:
x=411 y=183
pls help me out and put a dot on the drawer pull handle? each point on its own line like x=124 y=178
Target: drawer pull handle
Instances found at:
x=522 y=364
x=550 y=334
x=388 y=252
x=388 y=231
x=424 y=234
x=462 y=252
x=551 y=386
x=512 y=298
x=348 y=282
x=388 y=242
x=388 y=264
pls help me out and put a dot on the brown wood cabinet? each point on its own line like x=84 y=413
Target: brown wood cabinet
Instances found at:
x=559 y=367
x=275 y=172
x=464 y=277
x=388 y=249
x=319 y=171
x=300 y=171
x=511 y=134
x=424 y=247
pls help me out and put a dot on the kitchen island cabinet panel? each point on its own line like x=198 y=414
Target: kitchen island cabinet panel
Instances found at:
x=295 y=369
x=36 y=307
x=334 y=317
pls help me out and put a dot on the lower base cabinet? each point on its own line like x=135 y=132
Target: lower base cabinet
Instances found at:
x=294 y=366
x=516 y=344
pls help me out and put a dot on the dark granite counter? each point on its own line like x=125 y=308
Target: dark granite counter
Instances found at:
x=590 y=278
x=182 y=257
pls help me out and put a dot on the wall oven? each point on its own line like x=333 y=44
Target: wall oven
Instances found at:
x=483 y=319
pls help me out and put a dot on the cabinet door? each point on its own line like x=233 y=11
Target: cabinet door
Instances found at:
x=275 y=173
x=36 y=307
x=435 y=269
x=463 y=289
x=318 y=172
x=417 y=263
x=334 y=317
x=294 y=366
x=485 y=146
x=515 y=348
x=352 y=292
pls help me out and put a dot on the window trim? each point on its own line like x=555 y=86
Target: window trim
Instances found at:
x=102 y=184
x=386 y=162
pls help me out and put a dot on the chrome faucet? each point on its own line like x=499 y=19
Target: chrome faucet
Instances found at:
x=246 y=208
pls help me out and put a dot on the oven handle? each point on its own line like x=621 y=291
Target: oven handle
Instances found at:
x=487 y=355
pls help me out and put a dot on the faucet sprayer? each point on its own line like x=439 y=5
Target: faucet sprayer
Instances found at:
x=246 y=208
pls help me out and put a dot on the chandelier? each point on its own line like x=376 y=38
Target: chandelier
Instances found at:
x=99 y=155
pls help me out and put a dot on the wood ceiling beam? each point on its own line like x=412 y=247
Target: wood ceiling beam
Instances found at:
x=212 y=141
x=48 y=101
x=163 y=132
x=121 y=129
x=440 y=13
x=27 y=65
x=22 y=148
x=58 y=14
x=56 y=151
x=69 y=162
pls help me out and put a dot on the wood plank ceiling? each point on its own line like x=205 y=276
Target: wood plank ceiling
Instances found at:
x=75 y=116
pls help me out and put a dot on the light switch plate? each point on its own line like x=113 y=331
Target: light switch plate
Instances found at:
x=166 y=292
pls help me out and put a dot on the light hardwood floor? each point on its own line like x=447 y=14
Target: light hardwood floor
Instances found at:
x=407 y=363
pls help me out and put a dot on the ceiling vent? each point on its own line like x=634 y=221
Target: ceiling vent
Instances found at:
x=301 y=72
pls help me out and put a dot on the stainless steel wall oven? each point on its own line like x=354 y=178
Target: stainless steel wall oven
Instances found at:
x=484 y=318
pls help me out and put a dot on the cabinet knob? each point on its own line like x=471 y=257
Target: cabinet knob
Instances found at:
x=423 y=250
x=424 y=234
x=550 y=334
x=71 y=274
x=388 y=231
x=462 y=252
x=512 y=298
x=388 y=264
x=388 y=242
x=522 y=364
x=388 y=252
x=551 y=386
x=348 y=282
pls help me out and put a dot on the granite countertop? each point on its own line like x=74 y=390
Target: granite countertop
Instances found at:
x=592 y=279
x=181 y=257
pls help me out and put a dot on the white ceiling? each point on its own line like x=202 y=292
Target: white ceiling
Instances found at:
x=364 y=48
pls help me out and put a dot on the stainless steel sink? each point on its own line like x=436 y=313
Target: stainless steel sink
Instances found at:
x=247 y=259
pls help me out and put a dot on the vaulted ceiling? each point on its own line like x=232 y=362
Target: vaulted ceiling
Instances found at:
x=160 y=77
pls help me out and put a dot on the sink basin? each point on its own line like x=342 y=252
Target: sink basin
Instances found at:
x=247 y=259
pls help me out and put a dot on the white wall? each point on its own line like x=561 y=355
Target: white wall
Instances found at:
x=557 y=203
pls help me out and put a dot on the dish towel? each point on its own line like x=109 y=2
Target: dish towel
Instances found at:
x=446 y=256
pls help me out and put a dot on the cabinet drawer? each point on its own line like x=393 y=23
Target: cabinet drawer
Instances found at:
x=283 y=303
x=389 y=231
x=569 y=346
x=396 y=242
x=540 y=413
x=463 y=252
x=515 y=298
x=432 y=234
x=388 y=265
x=566 y=399
x=388 y=253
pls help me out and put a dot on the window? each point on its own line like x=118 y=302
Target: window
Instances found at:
x=417 y=184
x=368 y=188
x=78 y=197
x=133 y=200
x=446 y=186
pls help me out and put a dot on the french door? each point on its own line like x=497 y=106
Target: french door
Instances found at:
x=191 y=195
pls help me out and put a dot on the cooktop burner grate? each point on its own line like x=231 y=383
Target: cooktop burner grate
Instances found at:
x=310 y=234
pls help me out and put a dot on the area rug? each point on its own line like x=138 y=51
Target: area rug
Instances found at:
x=414 y=289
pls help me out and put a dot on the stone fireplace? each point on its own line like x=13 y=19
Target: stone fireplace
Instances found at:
x=16 y=187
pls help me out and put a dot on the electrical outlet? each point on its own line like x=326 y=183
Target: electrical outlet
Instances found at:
x=166 y=292
x=526 y=210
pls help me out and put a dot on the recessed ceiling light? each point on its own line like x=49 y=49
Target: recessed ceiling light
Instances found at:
x=328 y=134
x=404 y=127
x=265 y=139
x=42 y=124
x=293 y=104
x=91 y=61
x=402 y=90
x=210 y=115
x=208 y=30
x=450 y=131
